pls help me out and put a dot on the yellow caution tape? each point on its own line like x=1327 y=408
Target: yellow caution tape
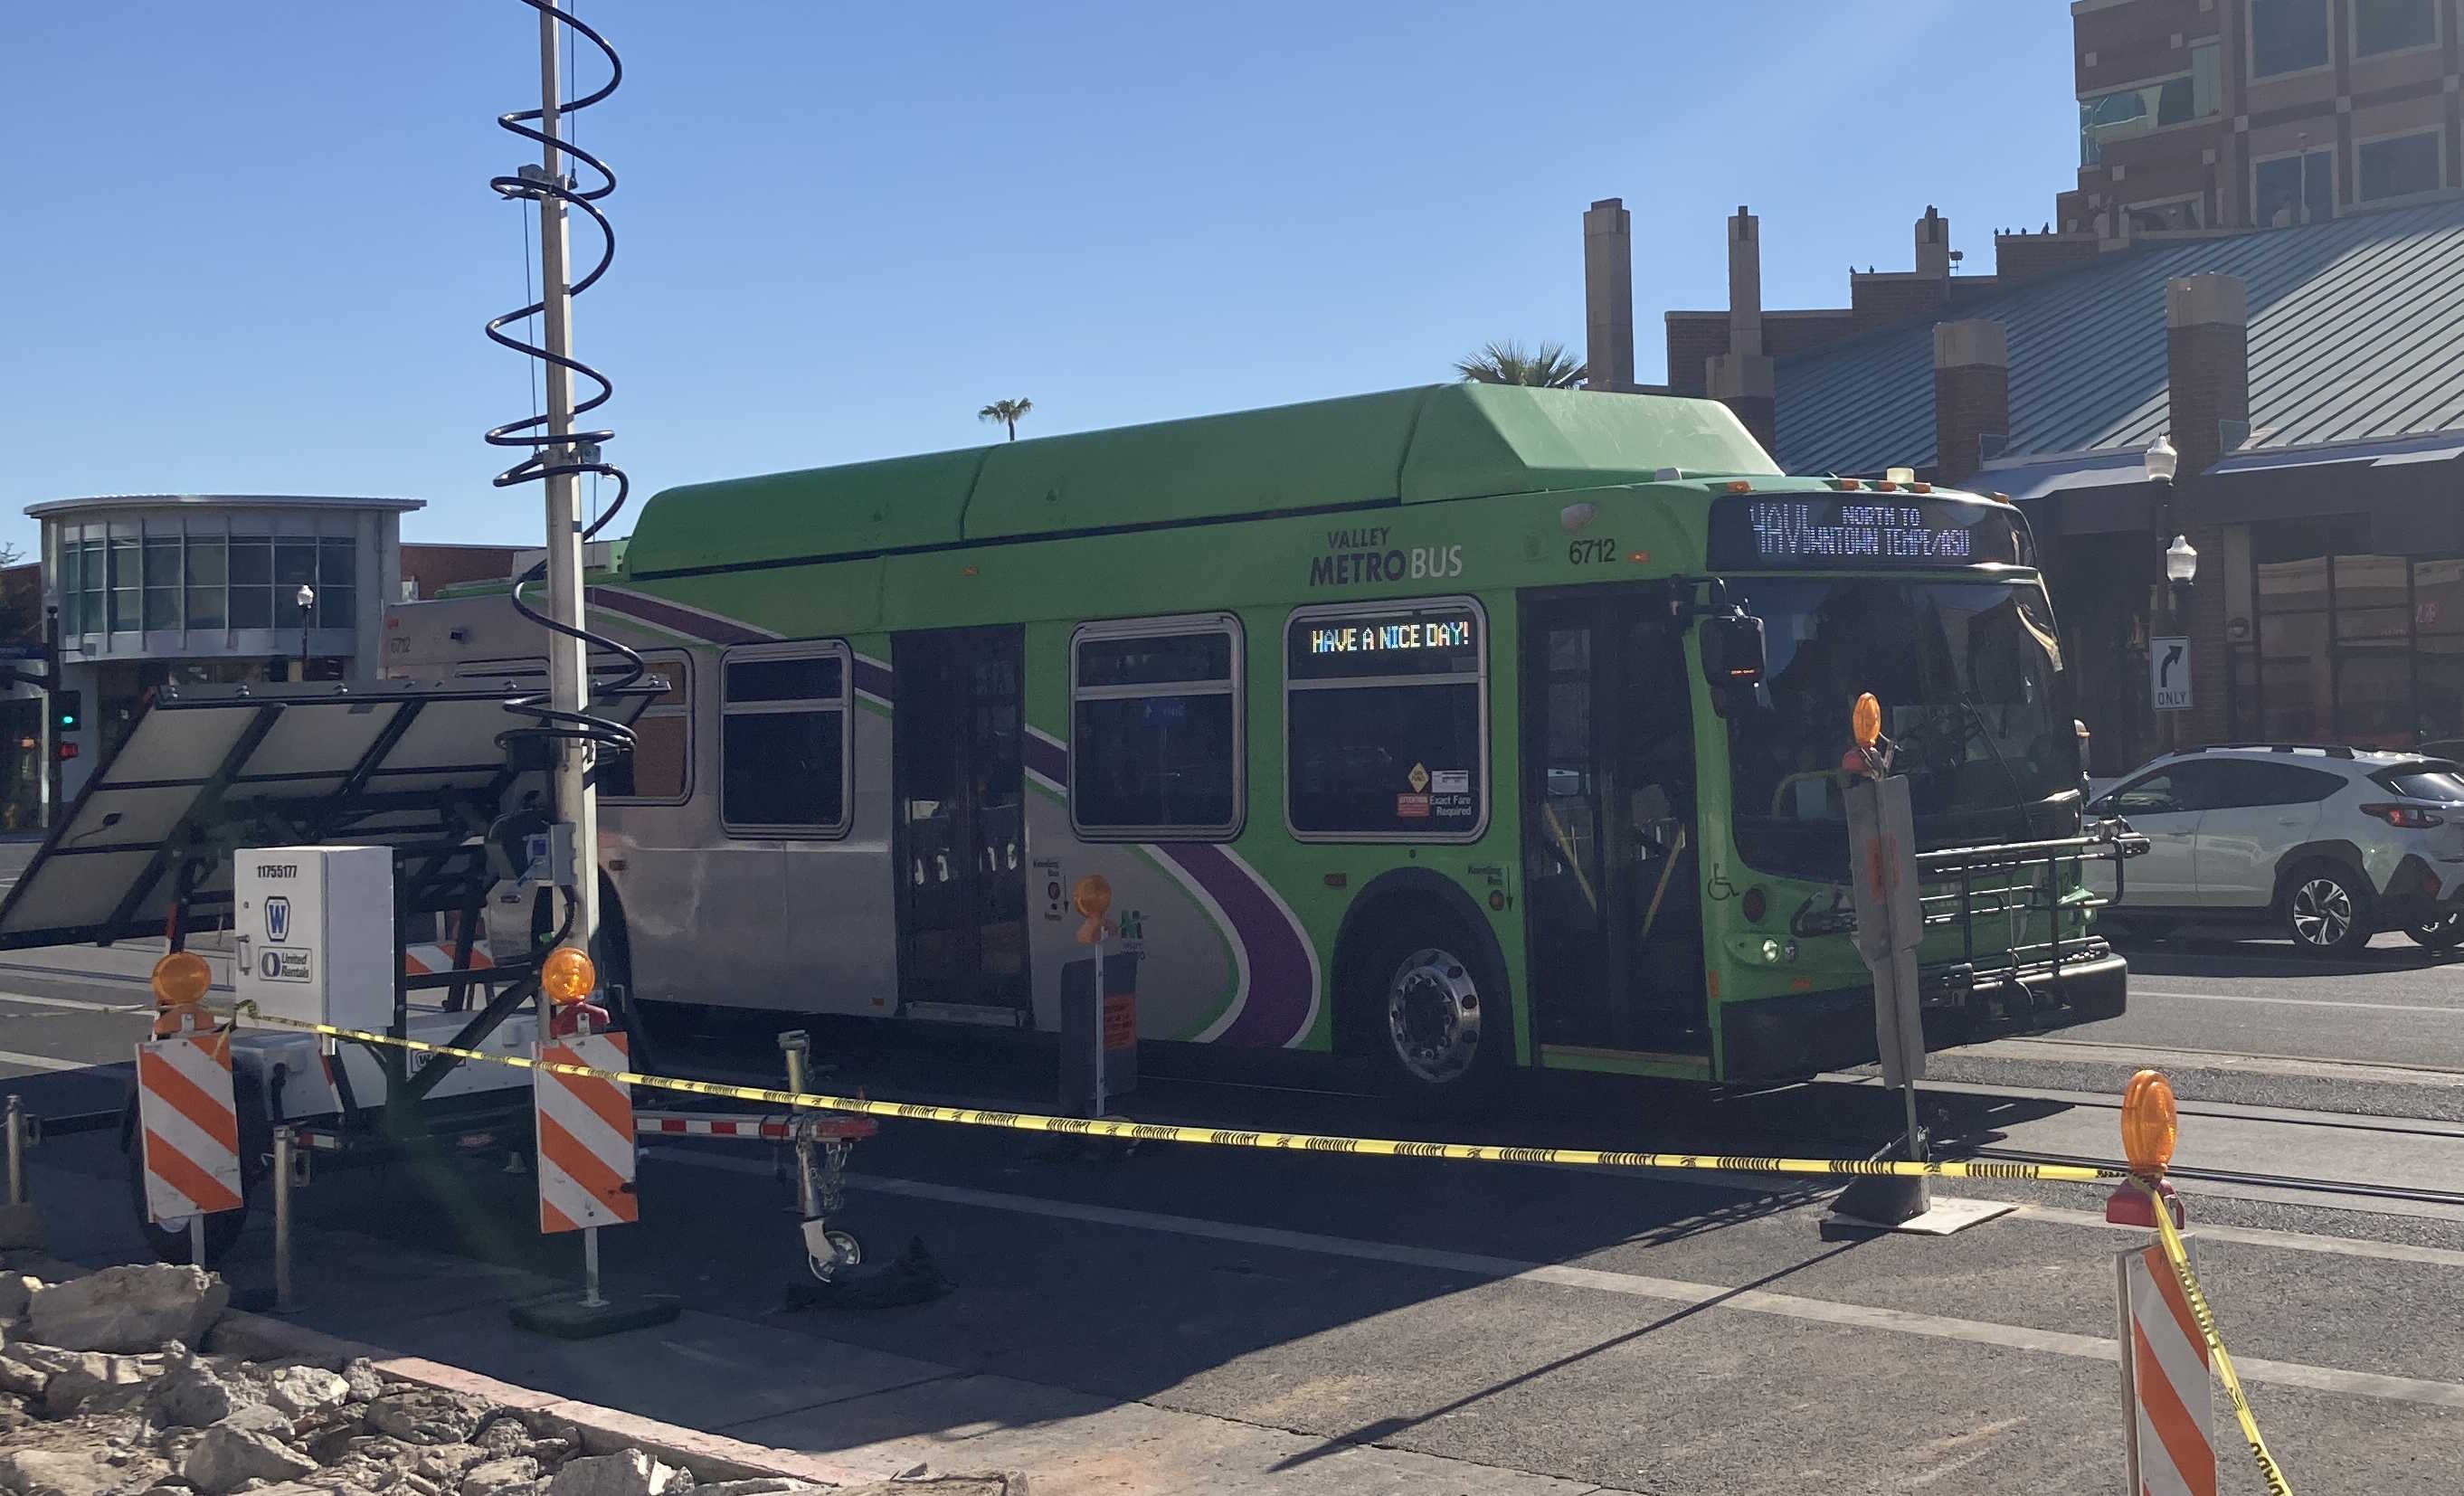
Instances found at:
x=2268 y=1469
x=1234 y=1138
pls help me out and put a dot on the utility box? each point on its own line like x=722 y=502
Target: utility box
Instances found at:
x=313 y=937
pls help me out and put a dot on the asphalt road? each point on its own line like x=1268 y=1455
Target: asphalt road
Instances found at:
x=1507 y=1329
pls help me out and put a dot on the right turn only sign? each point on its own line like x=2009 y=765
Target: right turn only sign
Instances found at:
x=2169 y=673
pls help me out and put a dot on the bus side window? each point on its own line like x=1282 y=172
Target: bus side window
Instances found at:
x=782 y=739
x=660 y=766
x=1155 y=731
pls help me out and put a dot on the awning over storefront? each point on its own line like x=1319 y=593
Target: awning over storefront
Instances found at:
x=2094 y=493
x=2411 y=489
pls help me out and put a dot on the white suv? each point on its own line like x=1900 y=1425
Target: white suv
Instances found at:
x=2324 y=846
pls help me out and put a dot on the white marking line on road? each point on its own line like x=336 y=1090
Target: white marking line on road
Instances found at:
x=95 y=977
x=80 y=1004
x=2044 y=1048
x=2260 y=1236
x=2304 y=1002
x=1671 y=1290
x=44 y=1061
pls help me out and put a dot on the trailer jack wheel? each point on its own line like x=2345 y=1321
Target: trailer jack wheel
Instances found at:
x=845 y=1252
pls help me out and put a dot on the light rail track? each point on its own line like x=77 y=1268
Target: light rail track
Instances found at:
x=2411 y=1194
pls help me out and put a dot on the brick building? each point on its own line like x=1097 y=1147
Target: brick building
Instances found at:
x=2241 y=114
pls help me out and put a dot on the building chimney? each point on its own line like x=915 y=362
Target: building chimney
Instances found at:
x=1742 y=378
x=1934 y=243
x=1608 y=296
x=1745 y=282
x=1971 y=396
x=2206 y=366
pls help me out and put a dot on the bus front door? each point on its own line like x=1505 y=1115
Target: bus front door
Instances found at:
x=960 y=827
x=1611 y=894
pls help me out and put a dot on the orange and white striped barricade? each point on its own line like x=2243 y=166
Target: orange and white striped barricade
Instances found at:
x=2164 y=1381
x=586 y=1137
x=585 y=1179
x=189 y=1128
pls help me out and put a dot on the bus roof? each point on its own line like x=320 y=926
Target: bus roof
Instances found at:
x=1405 y=445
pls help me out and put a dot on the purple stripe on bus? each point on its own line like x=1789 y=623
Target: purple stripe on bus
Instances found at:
x=692 y=623
x=873 y=677
x=1280 y=996
x=1276 y=1012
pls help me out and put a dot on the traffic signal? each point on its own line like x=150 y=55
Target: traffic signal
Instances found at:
x=68 y=709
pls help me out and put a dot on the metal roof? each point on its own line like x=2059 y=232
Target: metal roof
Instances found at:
x=65 y=506
x=2356 y=333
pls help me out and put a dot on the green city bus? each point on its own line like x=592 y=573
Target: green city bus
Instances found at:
x=1387 y=720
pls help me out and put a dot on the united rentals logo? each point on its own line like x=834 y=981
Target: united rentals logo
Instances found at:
x=277 y=918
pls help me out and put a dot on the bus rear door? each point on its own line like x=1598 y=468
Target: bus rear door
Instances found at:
x=960 y=826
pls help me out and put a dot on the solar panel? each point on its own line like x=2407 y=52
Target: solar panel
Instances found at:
x=208 y=770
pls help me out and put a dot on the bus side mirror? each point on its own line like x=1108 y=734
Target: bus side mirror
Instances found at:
x=1733 y=652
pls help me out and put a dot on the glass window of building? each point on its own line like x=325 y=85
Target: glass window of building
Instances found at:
x=2294 y=189
x=252 y=581
x=207 y=575
x=2287 y=36
x=72 y=570
x=2352 y=648
x=337 y=582
x=2127 y=112
x=124 y=582
x=161 y=581
x=98 y=584
x=2399 y=166
x=295 y=566
x=2186 y=213
x=2381 y=25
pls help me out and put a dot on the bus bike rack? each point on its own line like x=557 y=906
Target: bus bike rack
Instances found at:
x=2017 y=901
x=146 y=850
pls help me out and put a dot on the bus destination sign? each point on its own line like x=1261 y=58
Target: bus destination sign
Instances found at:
x=1835 y=530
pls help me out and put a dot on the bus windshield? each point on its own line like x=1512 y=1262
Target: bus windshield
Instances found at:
x=1968 y=676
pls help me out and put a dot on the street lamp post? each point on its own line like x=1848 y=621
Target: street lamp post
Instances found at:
x=2181 y=561
x=306 y=598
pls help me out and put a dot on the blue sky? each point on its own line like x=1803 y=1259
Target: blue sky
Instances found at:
x=251 y=245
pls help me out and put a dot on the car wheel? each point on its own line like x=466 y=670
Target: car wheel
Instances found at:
x=2326 y=910
x=1433 y=1016
x=2443 y=933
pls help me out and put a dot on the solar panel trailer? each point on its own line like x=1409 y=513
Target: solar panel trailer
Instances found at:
x=148 y=849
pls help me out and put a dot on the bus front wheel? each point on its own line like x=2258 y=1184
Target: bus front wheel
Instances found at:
x=1432 y=1016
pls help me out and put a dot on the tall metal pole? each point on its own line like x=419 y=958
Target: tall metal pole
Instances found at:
x=567 y=664
x=51 y=733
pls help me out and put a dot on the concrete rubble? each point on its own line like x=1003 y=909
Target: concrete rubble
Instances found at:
x=102 y=1394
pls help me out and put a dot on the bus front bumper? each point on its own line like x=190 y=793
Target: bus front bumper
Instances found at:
x=1809 y=1032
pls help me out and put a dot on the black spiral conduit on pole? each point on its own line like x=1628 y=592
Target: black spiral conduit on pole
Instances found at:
x=545 y=454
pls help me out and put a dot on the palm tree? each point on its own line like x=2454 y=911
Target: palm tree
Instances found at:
x=1007 y=412
x=1506 y=363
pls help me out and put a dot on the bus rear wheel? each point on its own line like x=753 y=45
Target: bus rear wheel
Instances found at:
x=1432 y=1016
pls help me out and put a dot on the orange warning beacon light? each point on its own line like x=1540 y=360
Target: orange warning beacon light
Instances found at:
x=1093 y=897
x=567 y=976
x=2149 y=1124
x=1864 y=738
x=180 y=981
